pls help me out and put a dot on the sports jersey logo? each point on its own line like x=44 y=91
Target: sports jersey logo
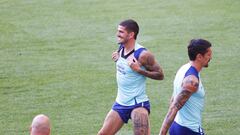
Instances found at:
x=121 y=69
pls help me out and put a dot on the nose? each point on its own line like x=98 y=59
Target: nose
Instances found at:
x=117 y=34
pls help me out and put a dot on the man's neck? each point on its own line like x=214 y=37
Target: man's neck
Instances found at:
x=196 y=65
x=129 y=46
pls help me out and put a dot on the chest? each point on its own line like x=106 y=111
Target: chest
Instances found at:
x=123 y=67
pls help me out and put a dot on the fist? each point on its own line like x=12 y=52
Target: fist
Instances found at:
x=134 y=64
x=115 y=56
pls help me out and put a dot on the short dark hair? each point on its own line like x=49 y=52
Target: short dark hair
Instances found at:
x=197 y=46
x=131 y=26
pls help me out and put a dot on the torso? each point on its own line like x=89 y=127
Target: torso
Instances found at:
x=131 y=85
x=190 y=115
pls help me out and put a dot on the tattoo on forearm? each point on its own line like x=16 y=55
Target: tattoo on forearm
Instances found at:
x=140 y=123
x=178 y=103
x=182 y=99
x=169 y=119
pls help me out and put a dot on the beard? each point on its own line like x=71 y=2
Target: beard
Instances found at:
x=207 y=63
x=121 y=40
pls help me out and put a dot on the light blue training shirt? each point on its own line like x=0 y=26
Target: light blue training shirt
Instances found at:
x=190 y=115
x=131 y=85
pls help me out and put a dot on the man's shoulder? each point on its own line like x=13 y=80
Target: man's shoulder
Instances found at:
x=138 y=46
x=139 y=49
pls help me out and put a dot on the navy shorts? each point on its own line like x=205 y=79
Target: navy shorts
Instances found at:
x=177 y=129
x=125 y=111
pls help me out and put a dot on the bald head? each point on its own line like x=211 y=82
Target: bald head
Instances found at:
x=40 y=125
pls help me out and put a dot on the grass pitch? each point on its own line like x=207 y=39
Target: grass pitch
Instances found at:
x=55 y=58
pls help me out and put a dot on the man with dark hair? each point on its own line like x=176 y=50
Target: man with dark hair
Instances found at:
x=133 y=64
x=184 y=116
x=131 y=26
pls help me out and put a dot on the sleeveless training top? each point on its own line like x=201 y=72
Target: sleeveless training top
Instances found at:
x=190 y=115
x=131 y=85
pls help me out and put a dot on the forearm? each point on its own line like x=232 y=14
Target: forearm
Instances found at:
x=176 y=104
x=156 y=75
x=168 y=120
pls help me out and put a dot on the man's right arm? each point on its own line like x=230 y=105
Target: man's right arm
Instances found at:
x=189 y=86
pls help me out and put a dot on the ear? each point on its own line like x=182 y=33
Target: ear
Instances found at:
x=131 y=34
x=199 y=56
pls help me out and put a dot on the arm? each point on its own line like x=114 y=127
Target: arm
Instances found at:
x=189 y=86
x=153 y=69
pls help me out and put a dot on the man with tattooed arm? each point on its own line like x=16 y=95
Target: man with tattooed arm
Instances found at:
x=134 y=64
x=187 y=102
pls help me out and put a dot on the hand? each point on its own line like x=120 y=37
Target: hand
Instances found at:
x=115 y=56
x=134 y=64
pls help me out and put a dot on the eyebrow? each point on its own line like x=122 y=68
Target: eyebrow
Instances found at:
x=120 y=30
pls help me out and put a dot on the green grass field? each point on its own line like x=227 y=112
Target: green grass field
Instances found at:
x=55 y=58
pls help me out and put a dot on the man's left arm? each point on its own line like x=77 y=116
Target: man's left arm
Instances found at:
x=153 y=69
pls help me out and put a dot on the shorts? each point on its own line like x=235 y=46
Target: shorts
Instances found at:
x=177 y=129
x=125 y=111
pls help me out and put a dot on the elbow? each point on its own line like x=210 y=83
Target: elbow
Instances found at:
x=160 y=77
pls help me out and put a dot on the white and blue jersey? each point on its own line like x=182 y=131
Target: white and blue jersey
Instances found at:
x=131 y=85
x=190 y=115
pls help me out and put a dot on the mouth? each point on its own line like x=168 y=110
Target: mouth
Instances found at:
x=119 y=38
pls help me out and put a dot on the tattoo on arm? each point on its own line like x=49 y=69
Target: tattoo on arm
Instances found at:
x=182 y=99
x=191 y=83
x=176 y=105
x=189 y=86
x=153 y=69
x=168 y=120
